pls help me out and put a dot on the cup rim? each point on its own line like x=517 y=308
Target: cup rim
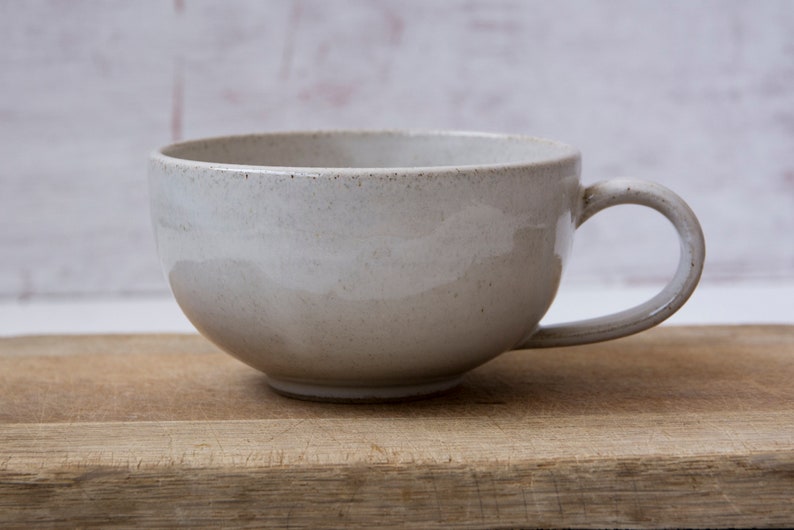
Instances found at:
x=565 y=153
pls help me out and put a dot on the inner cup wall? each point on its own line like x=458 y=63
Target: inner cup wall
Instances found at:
x=368 y=149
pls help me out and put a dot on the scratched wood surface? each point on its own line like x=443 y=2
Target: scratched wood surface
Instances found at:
x=678 y=426
x=694 y=95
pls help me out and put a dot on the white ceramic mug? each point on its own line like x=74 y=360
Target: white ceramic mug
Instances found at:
x=370 y=265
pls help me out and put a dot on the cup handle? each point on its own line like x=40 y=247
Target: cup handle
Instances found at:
x=690 y=266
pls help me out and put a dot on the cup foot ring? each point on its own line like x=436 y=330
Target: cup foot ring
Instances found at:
x=362 y=394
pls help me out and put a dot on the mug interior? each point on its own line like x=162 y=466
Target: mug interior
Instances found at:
x=371 y=149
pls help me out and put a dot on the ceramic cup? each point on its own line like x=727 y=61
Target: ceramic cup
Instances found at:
x=377 y=265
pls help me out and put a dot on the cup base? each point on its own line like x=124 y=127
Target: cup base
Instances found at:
x=362 y=394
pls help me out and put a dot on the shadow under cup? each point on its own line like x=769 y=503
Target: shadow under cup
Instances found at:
x=356 y=265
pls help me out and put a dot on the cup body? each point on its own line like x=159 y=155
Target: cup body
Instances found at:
x=356 y=265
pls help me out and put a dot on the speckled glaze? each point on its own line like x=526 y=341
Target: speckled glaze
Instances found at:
x=369 y=265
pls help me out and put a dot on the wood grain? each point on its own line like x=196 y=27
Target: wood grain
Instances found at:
x=679 y=426
x=694 y=97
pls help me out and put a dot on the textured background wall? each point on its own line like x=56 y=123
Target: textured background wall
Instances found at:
x=696 y=95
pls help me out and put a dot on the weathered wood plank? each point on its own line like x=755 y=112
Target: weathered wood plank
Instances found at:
x=683 y=93
x=674 y=427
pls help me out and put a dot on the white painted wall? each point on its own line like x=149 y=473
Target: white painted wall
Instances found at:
x=696 y=95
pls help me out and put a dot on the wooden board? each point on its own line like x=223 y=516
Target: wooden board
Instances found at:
x=694 y=95
x=678 y=426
